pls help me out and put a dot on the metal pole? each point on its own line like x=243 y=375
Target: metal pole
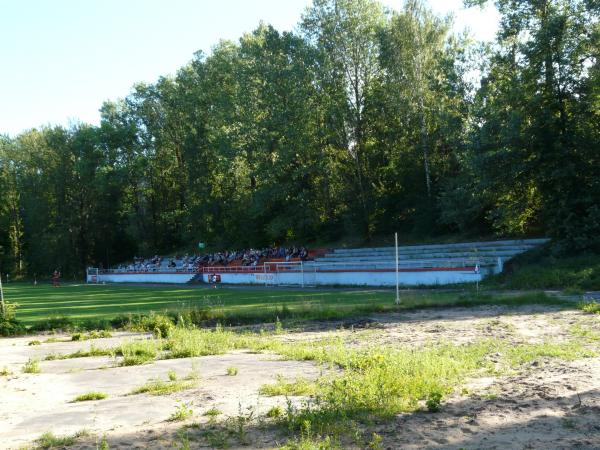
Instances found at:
x=397 y=271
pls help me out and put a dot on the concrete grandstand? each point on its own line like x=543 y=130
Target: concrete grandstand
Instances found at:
x=434 y=264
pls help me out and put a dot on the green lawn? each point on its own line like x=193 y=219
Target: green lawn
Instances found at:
x=80 y=302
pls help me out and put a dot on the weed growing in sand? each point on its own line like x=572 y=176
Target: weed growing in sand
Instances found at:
x=186 y=343
x=278 y=326
x=136 y=352
x=159 y=387
x=585 y=333
x=232 y=371
x=93 y=351
x=212 y=412
x=54 y=339
x=216 y=438
x=275 y=412
x=49 y=440
x=238 y=425
x=90 y=396
x=32 y=366
x=182 y=412
x=5 y=372
x=299 y=386
x=103 y=444
x=91 y=335
x=525 y=353
x=34 y=342
x=172 y=375
x=434 y=401
x=308 y=440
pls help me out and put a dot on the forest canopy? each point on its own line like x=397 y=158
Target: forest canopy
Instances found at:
x=363 y=122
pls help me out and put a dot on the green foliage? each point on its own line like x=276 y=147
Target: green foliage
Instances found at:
x=362 y=122
x=275 y=412
x=539 y=269
x=135 y=352
x=232 y=371
x=159 y=387
x=32 y=366
x=183 y=411
x=104 y=444
x=49 y=440
x=89 y=396
x=590 y=307
x=94 y=334
x=434 y=401
x=9 y=325
x=299 y=386
x=93 y=351
x=212 y=412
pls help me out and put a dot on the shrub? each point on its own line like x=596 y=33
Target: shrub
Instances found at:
x=9 y=325
x=232 y=371
x=434 y=401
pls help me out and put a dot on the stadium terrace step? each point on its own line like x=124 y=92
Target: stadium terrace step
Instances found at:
x=490 y=254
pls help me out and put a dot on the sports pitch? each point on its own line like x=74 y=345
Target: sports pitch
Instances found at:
x=81 y=301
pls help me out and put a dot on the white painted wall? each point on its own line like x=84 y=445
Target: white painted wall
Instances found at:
x=417 y=278
x=422 y=278
x=175 y=278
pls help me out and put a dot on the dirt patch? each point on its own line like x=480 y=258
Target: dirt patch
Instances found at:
x=548 y=403
x=35 y=403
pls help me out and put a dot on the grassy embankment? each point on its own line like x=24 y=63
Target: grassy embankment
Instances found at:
x=539 y=269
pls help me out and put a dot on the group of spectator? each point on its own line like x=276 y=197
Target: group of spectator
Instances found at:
x=249 y=258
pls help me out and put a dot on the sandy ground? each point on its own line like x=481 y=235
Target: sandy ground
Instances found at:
x=550 y=404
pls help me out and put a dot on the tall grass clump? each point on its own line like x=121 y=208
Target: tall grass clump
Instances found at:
x=49 y=440
x=186 y=343
x=90 y=396
x=32 y=366
x=135 y=352
x=299 y=386
x=160 y=387
x=378 y=383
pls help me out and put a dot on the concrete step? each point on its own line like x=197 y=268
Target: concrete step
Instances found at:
x=524 y=243
x=371 y=256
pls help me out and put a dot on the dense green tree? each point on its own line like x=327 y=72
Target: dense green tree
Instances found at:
x=364 y=122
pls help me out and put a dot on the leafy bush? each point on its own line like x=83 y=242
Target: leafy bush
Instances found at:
x=9 y=325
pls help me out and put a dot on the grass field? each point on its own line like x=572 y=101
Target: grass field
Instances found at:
x=81 y=303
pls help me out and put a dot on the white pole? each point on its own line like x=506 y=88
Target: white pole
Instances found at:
x=397 y=272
